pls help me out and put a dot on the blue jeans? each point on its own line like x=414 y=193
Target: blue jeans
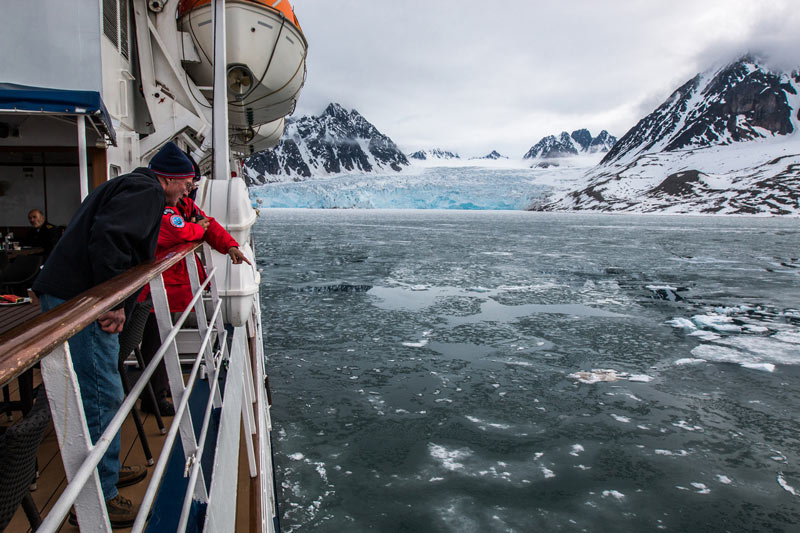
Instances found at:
x=95 y=355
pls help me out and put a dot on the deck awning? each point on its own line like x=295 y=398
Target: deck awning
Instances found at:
x=16 y=98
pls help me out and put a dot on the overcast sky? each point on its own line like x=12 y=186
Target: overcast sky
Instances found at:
x=473 y=76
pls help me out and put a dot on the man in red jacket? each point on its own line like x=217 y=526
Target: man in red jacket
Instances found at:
x=182 y=223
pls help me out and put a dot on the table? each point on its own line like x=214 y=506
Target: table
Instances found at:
x=12 y=316
x=24 y=251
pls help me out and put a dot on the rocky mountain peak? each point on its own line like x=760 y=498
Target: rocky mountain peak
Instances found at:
x=336 y=111
x=494 y=155
x=741 y=101
x=336 y=141
x=582 y=137
x=566 y=145
x=435 y=153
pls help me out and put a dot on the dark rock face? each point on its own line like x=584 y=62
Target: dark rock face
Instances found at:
x=493 y=155
x=583 y=138
x=335 y=141
x=740 y=102
x=565 y=145
x=602 y=143
x=271 y=164
x=678 y=184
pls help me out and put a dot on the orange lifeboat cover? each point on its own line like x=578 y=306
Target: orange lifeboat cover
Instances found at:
x=278 y=5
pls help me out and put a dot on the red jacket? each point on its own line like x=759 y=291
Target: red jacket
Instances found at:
x=176 y=228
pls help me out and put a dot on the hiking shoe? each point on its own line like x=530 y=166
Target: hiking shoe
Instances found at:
x=165 y=407
x=130 y=475
x=121 y=512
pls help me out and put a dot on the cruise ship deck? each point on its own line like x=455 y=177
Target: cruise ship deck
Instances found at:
x=52 y=478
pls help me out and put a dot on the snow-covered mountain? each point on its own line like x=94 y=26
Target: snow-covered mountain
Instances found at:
x=567 y=145
x=494 y=155
x=334 y=142
x=726 y=141
x=434 y=154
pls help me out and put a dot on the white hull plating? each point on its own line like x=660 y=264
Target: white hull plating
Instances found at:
x=264 y=42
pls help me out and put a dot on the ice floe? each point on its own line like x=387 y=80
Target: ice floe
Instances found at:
x=418 y=344
x=785 y=485
x=756 y=338
x=449 y=458
x=597 y=375
x=613 y=494
x=689 y=361
x=483 y=425
x=679 y=453
x=683 y=424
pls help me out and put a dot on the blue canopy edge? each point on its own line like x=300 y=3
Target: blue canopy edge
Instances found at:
x=14 y=97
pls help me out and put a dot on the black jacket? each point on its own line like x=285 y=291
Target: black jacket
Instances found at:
x=45 y=236
x=115 y=228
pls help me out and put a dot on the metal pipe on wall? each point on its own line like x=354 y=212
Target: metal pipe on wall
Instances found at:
x=82 y=164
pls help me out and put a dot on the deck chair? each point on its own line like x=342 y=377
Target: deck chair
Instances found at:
x=18 y=276
x=129 y=340
x=19 y=446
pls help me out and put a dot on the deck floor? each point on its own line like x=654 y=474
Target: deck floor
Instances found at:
x=52 y=479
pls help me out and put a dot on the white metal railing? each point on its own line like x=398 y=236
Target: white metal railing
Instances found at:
x=81 y=458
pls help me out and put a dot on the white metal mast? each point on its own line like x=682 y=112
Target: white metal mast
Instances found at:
x=222 y=167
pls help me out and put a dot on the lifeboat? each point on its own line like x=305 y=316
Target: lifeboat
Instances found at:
x=257 y=138
x=266 y=57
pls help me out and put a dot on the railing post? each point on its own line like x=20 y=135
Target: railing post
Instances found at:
x=266 y=477
x=221 y=512
x=202 y=320
x=215 y=298
x=247 y=410
x=173 y=365
x=69 y=421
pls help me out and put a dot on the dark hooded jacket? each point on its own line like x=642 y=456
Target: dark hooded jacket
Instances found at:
x=115 y=228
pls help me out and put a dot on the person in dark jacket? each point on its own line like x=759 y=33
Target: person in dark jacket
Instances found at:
x=43 y=235
x=115 y=228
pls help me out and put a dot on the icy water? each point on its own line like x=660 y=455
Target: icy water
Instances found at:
x=514 y=371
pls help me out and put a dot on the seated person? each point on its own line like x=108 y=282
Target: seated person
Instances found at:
x=182 y=223
x=43 y=235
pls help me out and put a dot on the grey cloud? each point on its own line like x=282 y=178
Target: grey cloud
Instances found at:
x=472 y=76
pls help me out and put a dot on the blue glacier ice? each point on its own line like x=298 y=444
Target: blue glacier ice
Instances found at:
x=476 y=188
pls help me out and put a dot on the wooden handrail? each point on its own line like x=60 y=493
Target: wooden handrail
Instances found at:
x=23 y=346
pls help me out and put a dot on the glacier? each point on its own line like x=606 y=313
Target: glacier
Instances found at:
x=500 y=187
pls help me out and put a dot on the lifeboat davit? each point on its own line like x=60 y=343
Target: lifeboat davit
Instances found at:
x=257 y=138
x=266 y=56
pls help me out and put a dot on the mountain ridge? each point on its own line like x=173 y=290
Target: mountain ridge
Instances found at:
x=337 y=141
x=567 y=145
x=724 y=142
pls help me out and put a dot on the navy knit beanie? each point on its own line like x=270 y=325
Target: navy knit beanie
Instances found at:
x=171 y=163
